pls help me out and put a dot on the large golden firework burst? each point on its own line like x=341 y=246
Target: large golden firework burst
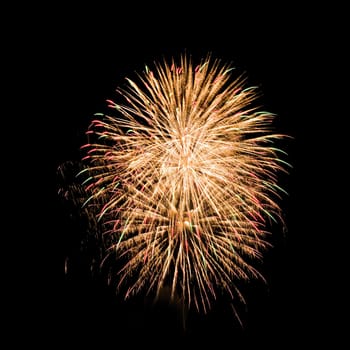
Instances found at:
x=184 y=176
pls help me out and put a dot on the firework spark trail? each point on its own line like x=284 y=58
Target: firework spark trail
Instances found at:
x=185 y=179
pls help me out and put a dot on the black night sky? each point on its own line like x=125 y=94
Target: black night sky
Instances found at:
x=84 y=57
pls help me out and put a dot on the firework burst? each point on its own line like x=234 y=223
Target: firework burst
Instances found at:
x=183 y=180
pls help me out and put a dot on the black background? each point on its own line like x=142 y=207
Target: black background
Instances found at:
x=77 y=57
